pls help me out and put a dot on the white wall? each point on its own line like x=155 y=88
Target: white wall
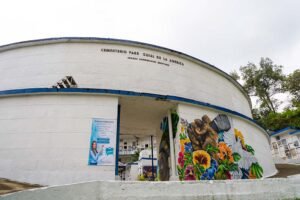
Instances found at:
x=253 y=135
x=45 y=139
x=44 y=65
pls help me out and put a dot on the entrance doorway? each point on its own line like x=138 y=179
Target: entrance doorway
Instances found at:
x=140 y=136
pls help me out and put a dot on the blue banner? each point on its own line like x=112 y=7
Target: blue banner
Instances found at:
x=103 y=142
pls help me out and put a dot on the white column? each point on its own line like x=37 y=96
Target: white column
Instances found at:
x=172 y=151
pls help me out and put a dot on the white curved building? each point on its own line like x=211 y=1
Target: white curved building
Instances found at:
x=121 y=87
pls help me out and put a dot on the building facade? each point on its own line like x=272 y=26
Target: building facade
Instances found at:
x=285 y=145
x=64 y=102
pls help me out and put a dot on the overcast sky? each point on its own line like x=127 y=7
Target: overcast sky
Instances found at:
x=226 y=34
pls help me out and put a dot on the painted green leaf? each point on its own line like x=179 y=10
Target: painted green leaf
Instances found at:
x=182 y=136
x=236 y=157
x=175 y=120
x=211 y=149
x=233 y=167
x=256 y=170
x=250 y=149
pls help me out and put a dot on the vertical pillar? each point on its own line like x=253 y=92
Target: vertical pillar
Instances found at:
x=152 y=157
x=117 y=144
x=172 y=150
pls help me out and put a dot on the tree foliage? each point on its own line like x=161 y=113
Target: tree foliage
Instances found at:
x=263 y=81
x=276 y=121
x=292 y=85
x=235 y=75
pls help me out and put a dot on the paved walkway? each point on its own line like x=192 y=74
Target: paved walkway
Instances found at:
x=8 y=186
x=286 y=170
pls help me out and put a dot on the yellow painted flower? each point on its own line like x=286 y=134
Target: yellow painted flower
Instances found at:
x=238 y=134
x=183 y=141
x=202 y=158
x=182 y=129
x=225 y=152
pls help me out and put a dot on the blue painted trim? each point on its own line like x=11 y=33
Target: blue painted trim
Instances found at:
x=144 y=158
x=30 y=91
x=294 y=132
x=118 y=142
x=281 y=130
x=93 y=39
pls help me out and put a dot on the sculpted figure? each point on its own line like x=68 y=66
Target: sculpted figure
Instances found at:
x=202 y=133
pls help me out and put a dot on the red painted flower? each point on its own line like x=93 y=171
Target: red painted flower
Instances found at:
x=181 y=159
x=189 y=174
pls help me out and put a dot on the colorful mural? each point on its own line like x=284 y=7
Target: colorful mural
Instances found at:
x=211 y=150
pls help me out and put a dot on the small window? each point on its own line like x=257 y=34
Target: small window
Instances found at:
x=296 y=143
x=146 y=145
x=277 y=137
x=125 y=147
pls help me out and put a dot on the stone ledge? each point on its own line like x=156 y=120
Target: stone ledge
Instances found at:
x=276 y=188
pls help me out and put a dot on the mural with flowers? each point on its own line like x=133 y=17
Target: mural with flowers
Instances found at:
x=210 y=150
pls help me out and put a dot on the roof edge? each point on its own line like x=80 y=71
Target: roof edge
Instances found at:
x=55 y=40
x=280 y=131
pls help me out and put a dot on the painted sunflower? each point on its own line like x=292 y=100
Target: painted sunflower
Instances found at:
x=225 y=152
x=238 y=134
x=202 y=158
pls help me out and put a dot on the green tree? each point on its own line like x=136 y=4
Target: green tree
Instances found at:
x=263 y=81
x=292 y=85
x=235 y=75
x=276 y=121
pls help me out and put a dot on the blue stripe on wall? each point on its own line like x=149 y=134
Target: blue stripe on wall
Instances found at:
x=294 y=132
x=281 y=130
x=30 y=91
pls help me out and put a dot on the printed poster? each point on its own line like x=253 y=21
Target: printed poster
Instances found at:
x=103 y=142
